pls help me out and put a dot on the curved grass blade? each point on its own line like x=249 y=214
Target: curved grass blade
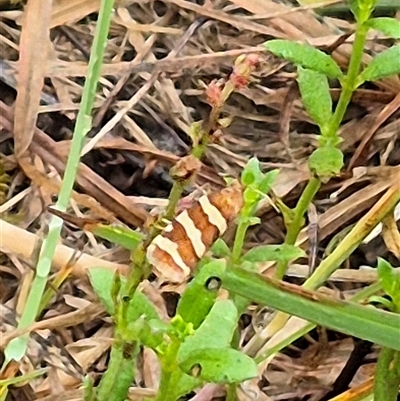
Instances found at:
x=365 y=322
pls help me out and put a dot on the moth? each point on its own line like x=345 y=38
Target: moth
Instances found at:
x=175 y=252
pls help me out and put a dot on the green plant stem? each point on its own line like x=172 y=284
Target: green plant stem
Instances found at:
x=297 y=222
x=339 y=254
x=199 y=150
x=17 y=347
x=239 y=240
x=387 y=375
x=175 y=195
x=88 y=391
x=349 y=83
x=168 y=368
x=354 y=238
x=120 y=372
x=140 y=268
x=231 y=392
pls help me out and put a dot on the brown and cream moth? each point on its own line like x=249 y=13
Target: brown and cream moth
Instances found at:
x=175 y=252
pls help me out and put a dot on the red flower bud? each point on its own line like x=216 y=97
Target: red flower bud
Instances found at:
x=214 y=93
x=244 y=65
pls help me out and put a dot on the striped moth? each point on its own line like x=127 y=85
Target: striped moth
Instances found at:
x=175 y=252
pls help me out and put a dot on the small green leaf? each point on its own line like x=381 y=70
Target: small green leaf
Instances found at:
x=200 y=294
x=250 y=220
x=195 y=132
x=326 y=162
x=287 y=213
x=315 y=94
x=362 y=9
x=305 y=56
x=253 y=221
x=354 y=7
x=251 y=195
x=268 y=180
x=216 y=331
x=180 y=329
x=140 y=305
x=89 y=393
x=220 y=249
x=102 y=281
x=375 y=299
x=184 y=384
x=251 y=173
x=276 y=253
x=383 y=65
x=149 y=333
x=116 y=288
x=119 y=235
x=222 y=366
x=389 y=26
x=390 y=280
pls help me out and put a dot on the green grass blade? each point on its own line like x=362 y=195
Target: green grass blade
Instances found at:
x=17 y=347
x=365 y=322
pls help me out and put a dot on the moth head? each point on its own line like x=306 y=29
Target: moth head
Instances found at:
x=229 y=201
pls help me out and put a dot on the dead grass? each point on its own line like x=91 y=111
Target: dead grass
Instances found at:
x=159 y=57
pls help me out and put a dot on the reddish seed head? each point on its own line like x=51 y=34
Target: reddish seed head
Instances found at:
x=239 y=81
x=244 y=65
x=214 y=93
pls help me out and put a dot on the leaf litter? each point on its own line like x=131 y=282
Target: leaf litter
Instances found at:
x=158 y=59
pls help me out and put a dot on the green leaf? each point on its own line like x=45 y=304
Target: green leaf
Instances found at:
x=222 y=366
x=119 y=235
x=150 y=333
x=268 y=180
x=184 y=384
x=200 y=294
x=315 y=94
x=305 y=56
x=251 y=220
x=276 y=253
x=364 y=322
x=326 y=162
x=362 y=9
x=89 y=393
x=251 y=195
x=390 y=280
x=215 y=332
x=102 y=281
x=251 y=173
x=383 y=65
x=220 y=249
x=375 y=299
x=354 y=7
x=120 y=372
x=389 y=26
